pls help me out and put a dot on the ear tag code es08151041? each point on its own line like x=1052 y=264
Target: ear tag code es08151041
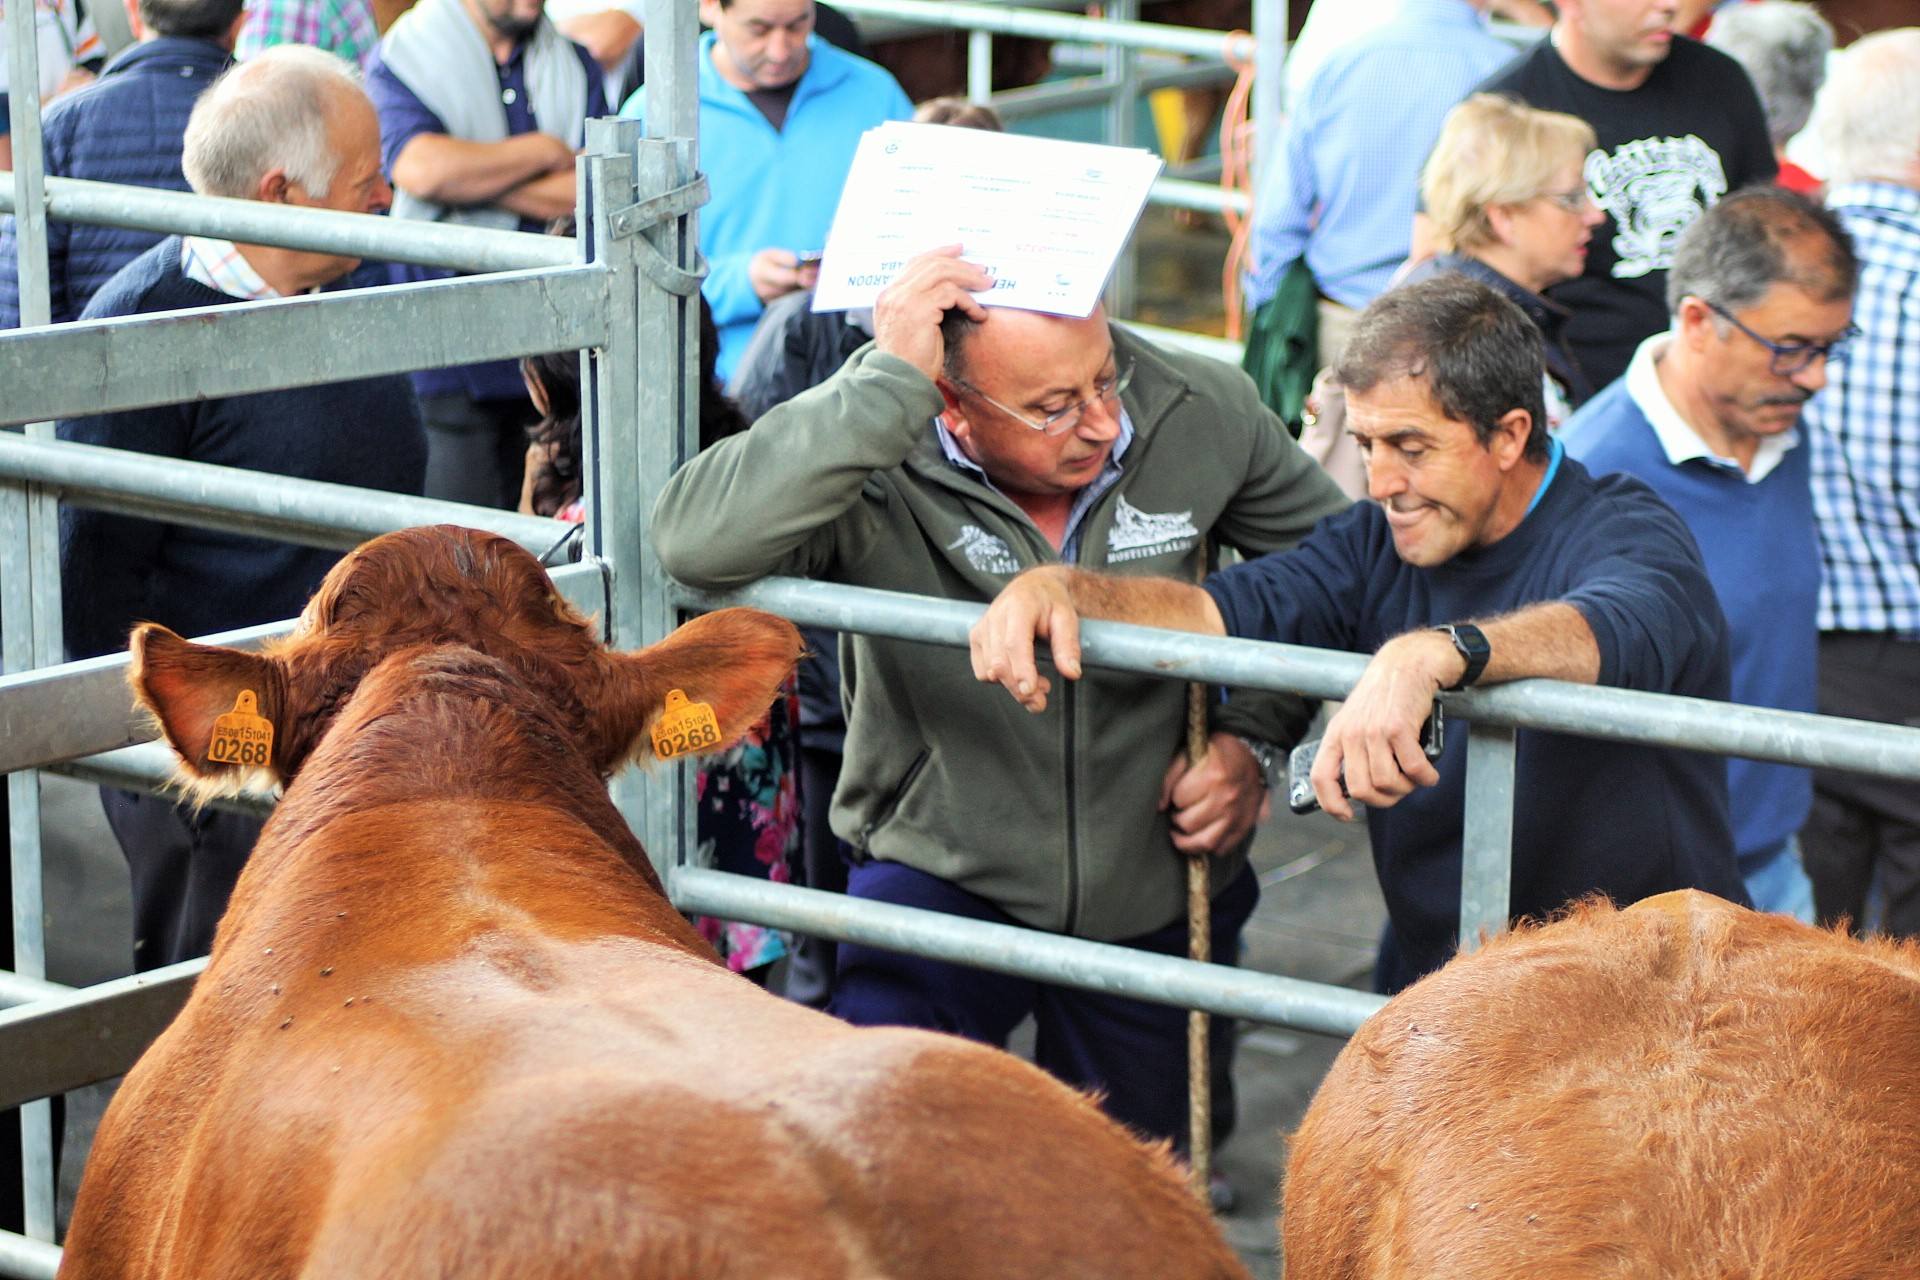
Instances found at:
x=684 y=726
x=242 y=736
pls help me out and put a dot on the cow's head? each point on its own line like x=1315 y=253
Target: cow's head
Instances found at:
x=444 y=586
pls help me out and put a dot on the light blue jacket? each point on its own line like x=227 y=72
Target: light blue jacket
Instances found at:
x=776 y=189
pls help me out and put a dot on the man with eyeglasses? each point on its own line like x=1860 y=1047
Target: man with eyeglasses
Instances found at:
x=1708 y=413
x=964 y=445
x=1484 y=555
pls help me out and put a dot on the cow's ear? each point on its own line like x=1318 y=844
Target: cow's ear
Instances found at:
x=732 y=661
x=198 y=692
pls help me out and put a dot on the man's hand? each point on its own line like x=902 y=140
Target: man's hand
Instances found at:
x=774 y=273
x=1374 y=739
x=1215 y=803
x=1034 y=606
x=608 y=35
x=906 y=316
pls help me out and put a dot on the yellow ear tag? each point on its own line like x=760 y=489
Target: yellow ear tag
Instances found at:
x=684 y=726
x=242 y=736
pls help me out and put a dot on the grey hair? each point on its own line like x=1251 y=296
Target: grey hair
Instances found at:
x=1783 y=44
x=1868 y=116
x=1744 y=245
x=268 y=113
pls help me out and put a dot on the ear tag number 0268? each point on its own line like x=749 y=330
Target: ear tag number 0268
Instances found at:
x=684 y=726
x=242 y=736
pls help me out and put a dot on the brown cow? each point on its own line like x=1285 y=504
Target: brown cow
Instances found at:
x=452 y=1027
x=1684 y=1090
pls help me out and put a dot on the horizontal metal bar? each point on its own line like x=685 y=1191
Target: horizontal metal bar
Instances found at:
x=20 y=988
x=1209 y=196
x=152 y=768
x=312 y=513
x=1088 y=91
x=1027 y=953
x=27 y=1259
x=210 y=352
x=1056 y=26
x=86 y=1036
x=353 y=235
x=1616 y=715
x=83 y=708
x=1200 y=344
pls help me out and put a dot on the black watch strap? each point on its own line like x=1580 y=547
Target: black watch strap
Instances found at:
x=1471 y=644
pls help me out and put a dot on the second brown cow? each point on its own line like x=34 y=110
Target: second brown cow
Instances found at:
x=1684 y=1090
x=452 y=1027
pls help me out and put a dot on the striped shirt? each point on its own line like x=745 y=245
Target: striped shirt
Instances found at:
x=345 y=27
x=1865 y=425
x=218 y=265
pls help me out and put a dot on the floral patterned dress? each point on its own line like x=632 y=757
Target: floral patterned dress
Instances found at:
x=748 y=800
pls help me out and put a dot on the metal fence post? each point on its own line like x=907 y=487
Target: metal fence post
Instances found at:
x=1121 y=77
x=979 y=66
x=29 y=585
x=668 y=366
x=1269 y=82
x=1486 y=836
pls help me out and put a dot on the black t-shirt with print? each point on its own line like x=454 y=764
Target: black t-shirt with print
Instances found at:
x=1667 y=150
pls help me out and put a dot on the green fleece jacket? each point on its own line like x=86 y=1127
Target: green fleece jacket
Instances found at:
x=1051 y=817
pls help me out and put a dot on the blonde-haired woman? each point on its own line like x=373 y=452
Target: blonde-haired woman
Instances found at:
x=1506 y=202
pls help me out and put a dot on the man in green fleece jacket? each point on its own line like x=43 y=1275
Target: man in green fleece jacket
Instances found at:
x=963 y=446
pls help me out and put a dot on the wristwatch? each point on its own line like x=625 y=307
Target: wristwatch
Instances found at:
x=1264 y=754
x=1471 y=644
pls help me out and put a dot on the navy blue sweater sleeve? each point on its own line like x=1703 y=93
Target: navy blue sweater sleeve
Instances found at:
x=1653 y=612
x=1313 y=594
x=107 y=561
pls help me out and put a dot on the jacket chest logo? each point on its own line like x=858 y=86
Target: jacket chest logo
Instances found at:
x=984 y=551
x=1137 y=534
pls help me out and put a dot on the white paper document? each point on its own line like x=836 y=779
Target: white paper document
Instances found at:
x=1046 y=219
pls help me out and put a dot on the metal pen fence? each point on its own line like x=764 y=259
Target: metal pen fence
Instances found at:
x=623 y=294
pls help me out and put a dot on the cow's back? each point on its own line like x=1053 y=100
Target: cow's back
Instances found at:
x=1683 y=1089
x=501 y=1086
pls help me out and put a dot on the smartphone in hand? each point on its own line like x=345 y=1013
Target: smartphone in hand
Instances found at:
x=1300 y=797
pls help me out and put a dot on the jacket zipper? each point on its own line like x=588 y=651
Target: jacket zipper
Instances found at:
x=893 y=801
x=1067 y=701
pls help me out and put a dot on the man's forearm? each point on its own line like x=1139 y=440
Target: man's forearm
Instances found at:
x=1550 y=641
x=545 y=198
x=448 y=170
x=1146 y=602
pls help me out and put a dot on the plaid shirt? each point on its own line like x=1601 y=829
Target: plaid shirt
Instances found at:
x=1865 y=426
x=219 y=266
x=345 y=27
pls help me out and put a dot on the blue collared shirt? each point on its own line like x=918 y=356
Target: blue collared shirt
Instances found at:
x=1109 y=475
x=1342 y=185
x=1865 y=426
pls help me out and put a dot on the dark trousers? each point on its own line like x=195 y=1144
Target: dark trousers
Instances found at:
x=1863 y=825
x=1132 y=1051
x=476 y=449
x=183 y=866
x=823 y=865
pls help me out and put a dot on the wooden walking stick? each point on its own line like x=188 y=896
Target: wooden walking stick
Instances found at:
x=1200 y=948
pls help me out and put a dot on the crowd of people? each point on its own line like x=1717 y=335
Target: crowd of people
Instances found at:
x=1621 y=393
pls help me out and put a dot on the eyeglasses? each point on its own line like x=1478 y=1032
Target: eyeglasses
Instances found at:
x=1789 y=358
x=1064 y=420
x=1578 y=200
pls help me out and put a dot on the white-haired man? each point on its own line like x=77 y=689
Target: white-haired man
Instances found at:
x=291 y=127
x=1866 y=481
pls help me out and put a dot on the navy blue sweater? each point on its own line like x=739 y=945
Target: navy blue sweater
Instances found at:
x=118 y=570
x=1763 y=558
x=125 y=127
x=1624 y=820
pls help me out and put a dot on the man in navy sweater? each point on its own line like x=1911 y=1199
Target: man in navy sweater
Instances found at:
x=291 y=127
x=1485 y=555
x=125 y=127
x=1761 y=290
